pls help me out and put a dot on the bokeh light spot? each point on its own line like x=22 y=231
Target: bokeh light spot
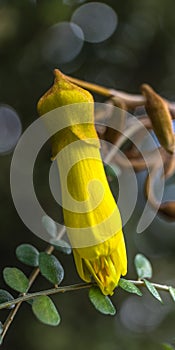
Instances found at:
x=10 y=129
x=142 y=315
x=97 y=20
x=63 y=43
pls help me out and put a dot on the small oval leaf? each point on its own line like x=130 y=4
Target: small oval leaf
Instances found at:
x=51 y=268
x=45 y=310
x=30 y=301
x=172 y=292
x=153 y=290
x=5 y=297
x=143 y=266
x=129 y=287
x=112 y=170
x=61 y=246
x=15 y=279
x=28 y=254
x=1 y=327
x=49 y=225
x=101 y=302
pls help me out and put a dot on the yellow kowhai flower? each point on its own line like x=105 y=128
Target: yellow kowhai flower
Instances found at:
x=90 y=212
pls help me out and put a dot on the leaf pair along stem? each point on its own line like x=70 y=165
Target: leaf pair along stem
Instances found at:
x=19 y=300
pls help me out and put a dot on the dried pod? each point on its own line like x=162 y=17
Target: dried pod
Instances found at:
x=169 y=166
x=160 y=116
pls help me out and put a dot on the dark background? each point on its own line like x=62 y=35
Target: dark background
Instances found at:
x=142 y=49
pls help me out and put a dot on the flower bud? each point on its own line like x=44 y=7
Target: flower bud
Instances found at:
x=159 y=114
x=95 y=232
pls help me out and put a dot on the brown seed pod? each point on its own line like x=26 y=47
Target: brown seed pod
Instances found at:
x=160 y=116
x=168 y=209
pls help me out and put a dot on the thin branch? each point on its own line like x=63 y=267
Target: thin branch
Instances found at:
x=51 y=291
x=101 y=90
x=130 y=100
x=71 y=288
x=162 y=287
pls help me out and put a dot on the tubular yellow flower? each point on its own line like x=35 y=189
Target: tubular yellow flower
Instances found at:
x=90 y=213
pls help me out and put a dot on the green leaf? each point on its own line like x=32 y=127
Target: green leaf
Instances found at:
x=129 y=287
x=153 y=290
x=1 y=327
x=51 y=268
x=6 y=296
x=61 y=246
x=112 y=170
x=28 y=254
x=143 y=266
x=16 y=279
x=101 y=302
x=45 y=310
x=49 y=225
x=166 y=346
x=172 y=292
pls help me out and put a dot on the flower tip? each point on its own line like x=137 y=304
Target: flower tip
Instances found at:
x=58 y=75
x=146 y=89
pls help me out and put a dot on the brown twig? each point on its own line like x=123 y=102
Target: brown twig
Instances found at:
x=130 y=100
x=74 y=287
